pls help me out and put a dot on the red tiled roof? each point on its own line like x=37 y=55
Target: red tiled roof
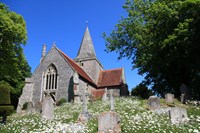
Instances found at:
x=110 y=78
x=77 y=68
x=98 y=93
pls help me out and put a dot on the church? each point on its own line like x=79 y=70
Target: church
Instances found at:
x=64 y=78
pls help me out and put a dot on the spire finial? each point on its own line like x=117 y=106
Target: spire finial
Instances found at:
x=86 y=22
x=54 y=43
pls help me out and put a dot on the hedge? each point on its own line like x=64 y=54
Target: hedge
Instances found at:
x=4 y=94
x=9 y=109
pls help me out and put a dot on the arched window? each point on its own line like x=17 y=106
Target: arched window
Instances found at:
x=51 y=78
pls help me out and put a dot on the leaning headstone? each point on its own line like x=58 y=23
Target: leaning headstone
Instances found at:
x=169 y=98
x=48 y=107
x=109 y=122
x=178 y=115
x=153 y=103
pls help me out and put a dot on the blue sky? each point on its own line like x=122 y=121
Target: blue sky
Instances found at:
x=64 y=22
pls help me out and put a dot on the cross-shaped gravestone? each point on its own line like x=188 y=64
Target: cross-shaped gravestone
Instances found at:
x=112 y=107
x=84 y=98
x=104 y=98
x=84 y=116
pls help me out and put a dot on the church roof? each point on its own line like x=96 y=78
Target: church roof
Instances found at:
x=86 y=50
x=76 y=67
x=107 y=78
x=112 y=77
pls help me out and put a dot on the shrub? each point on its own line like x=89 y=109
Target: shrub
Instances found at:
x=5 y=99
x=8 y=109
x=61 y=101
x=4 y=94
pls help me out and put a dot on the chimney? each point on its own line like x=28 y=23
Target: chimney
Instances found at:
x=43 y=51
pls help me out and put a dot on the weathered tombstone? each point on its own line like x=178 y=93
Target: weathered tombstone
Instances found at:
x=109 y=122
x=153 y=103
x=105 y=98
x=169 y=98
x=183 y=100
x=184 y=93
x=30 y=108
x=178 y=115
x=48 y=107
x=112 y=107
x=84 y=116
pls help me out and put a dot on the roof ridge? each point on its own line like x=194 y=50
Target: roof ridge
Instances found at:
x=113 y=69
x=76 y=67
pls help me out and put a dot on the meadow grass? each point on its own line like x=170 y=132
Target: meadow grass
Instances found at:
x=134 y=115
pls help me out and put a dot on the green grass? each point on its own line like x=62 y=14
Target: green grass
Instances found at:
x=135 y=117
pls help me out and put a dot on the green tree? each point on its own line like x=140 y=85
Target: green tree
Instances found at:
x=142 y=91
x=161 y=37
x=14 y=67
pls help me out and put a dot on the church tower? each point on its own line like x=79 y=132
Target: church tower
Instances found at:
x=86 y=57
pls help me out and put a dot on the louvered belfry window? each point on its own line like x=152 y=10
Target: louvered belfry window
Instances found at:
x=51 y=78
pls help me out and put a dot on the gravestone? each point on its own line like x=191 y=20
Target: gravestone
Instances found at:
x=184 y=93
x=105 y=98
x=178 y=115
x=84 y=116
x=183 y=100
x=153 y=103
x=48 y=107
x=109 y=122
x=112 y=107
x=169 y=98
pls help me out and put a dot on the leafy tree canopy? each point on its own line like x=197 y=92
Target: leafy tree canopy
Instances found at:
x=14 y=67
x=141 y=91
x=162 y=38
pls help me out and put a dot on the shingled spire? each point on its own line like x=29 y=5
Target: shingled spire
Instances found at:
x=86 y=57
x=86 y=50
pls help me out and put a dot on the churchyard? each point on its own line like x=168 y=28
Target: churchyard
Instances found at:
x=133 y=112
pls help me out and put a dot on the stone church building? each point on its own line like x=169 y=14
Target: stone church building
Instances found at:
x=62 y=77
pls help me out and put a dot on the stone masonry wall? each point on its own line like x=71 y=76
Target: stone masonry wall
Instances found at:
x=92 y=68
x=65 y=72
